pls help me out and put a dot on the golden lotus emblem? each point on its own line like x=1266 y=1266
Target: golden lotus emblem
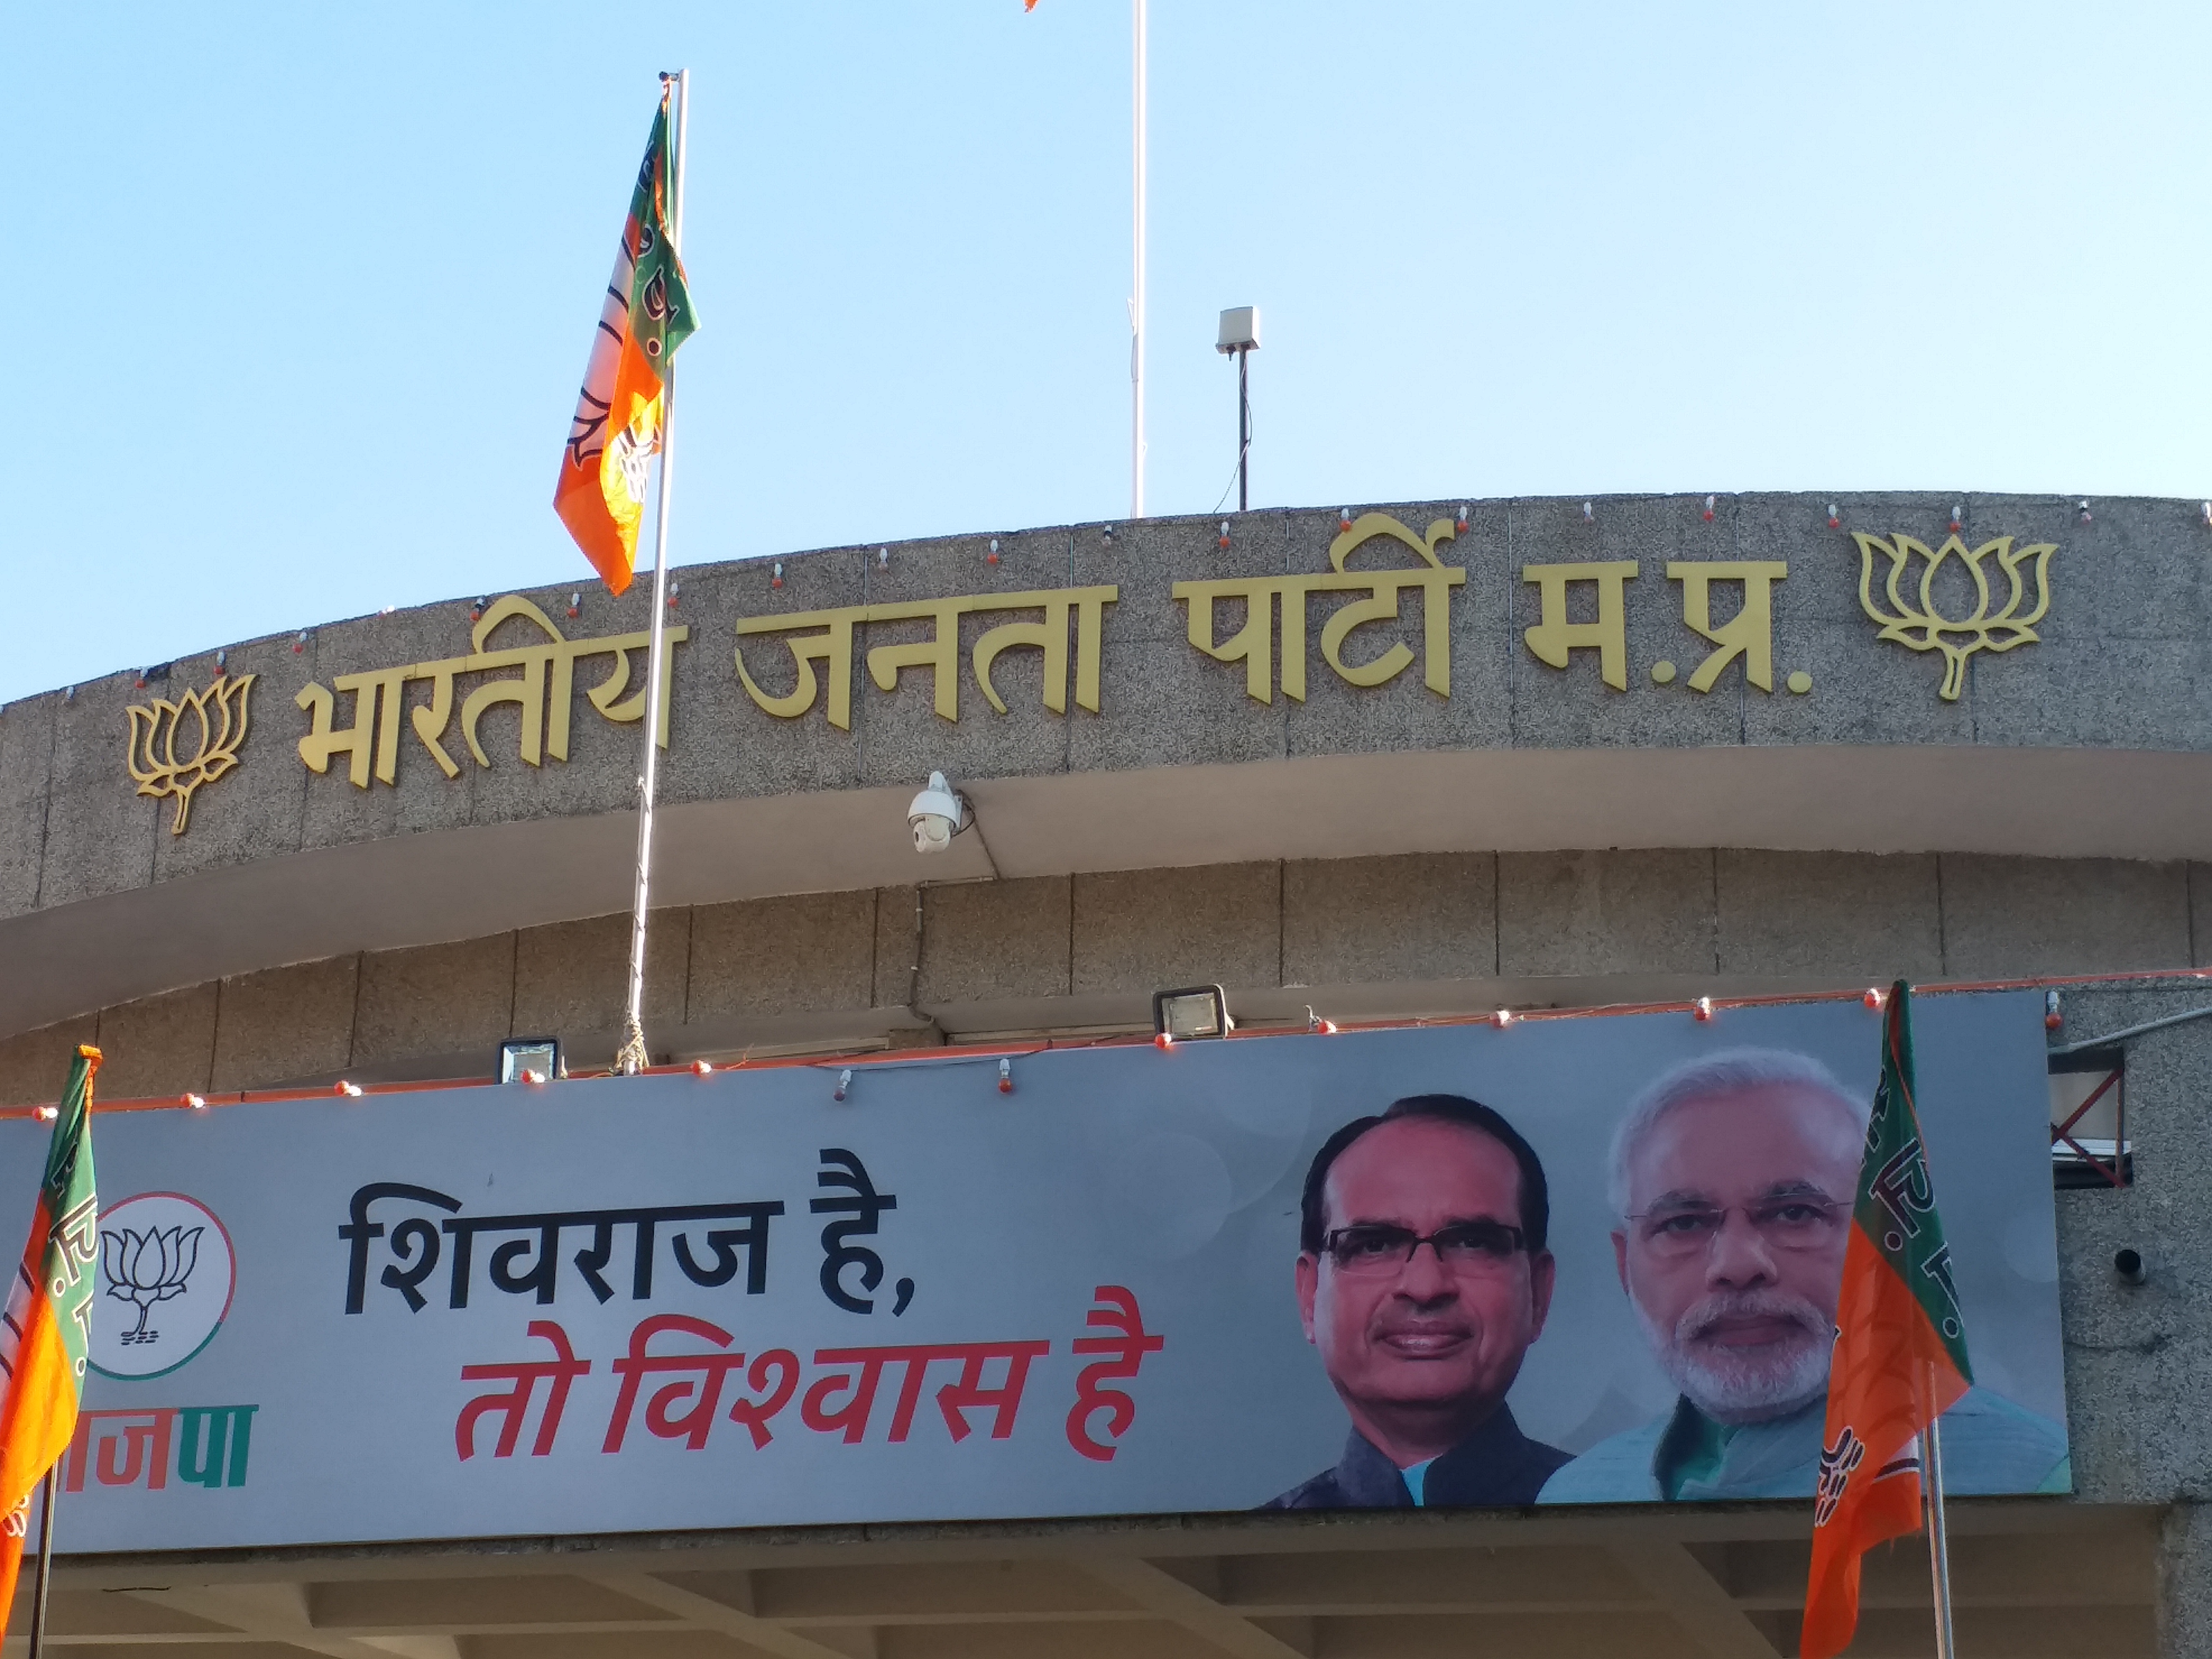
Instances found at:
x=207 y=725
x=1916 y=622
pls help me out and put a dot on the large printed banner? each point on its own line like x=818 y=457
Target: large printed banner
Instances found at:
x=1583 y=1261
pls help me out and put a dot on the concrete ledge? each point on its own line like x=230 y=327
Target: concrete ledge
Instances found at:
x=446 y=885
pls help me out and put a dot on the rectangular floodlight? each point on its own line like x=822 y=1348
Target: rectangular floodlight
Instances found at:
x=1197 y=1011
x=530 y=1060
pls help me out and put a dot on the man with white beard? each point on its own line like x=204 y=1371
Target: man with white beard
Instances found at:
x=1733 y=1179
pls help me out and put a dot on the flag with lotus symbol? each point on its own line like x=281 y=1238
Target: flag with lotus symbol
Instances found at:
x=1900 y=1354
x=47 y=1327
x=620 y=413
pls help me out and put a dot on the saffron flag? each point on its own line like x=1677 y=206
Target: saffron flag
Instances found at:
x=1900 y=1354
x=620 y=413
x=44 y=1335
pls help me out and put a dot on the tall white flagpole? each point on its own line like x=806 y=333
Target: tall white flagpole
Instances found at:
x=632 y=1057
x=1137 y=299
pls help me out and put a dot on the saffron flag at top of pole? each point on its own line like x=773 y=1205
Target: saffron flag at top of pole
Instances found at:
x=616 y=429
x=1901 y=1355
x=43 y=1337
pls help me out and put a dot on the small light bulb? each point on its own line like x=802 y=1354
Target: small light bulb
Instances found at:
x=1005 y=1076
x=1501 y=1018
x=1876 y=997
x=1704 y=1008
x=1589 y=516
x=196 y=1102
x=1162 y=1039
x=844 y=1082
x=702 y=1068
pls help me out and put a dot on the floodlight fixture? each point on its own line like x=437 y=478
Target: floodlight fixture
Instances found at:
x=530 y=1060
x=1192 y=1012
x=1240 y=331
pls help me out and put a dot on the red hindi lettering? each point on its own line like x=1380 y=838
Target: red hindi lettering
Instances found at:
x=851 y=1418
x=755 y=1414
x=140 y=1445
x=699 y=1395
x=514 y=1406
x=954 y=1400
x=1117 y=1311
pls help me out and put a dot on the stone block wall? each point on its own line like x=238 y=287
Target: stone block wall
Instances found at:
x=1367 y=938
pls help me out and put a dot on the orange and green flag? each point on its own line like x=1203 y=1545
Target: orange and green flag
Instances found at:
x=622 y=408
x=1901 y=1355
x=44 y=1331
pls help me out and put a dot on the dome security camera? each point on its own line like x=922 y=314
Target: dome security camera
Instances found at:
x=936 y=814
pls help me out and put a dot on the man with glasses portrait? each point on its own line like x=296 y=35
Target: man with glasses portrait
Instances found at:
x=1422 y=1281
x=1733 y=1178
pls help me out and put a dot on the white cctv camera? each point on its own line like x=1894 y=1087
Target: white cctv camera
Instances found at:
x=938 y=814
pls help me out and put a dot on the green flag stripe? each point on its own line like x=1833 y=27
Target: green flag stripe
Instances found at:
x=72 y=1208
x=660 y=316
x=1896 y=1208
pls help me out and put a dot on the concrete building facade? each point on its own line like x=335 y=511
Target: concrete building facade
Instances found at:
x=1574 y=753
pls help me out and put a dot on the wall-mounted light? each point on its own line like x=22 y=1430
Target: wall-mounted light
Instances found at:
x=844 y=1084
x=1005 y=1075
x=1192 y=1013
x=530 y=1060
x=1702 y=1009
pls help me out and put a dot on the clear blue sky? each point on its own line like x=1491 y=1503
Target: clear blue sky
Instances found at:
x=301 y=295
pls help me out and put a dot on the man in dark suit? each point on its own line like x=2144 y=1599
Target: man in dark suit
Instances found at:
x=1422 y=1279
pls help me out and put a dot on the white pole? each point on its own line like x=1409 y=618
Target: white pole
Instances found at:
x=632 y=1058
x=1938 y=1543
x=1137 y=301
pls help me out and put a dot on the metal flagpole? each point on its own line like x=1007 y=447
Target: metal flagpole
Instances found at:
x=1137 y=301
x=46 y=1565
x=1938 y=1543
x=632 y=1058
x=1243 y=430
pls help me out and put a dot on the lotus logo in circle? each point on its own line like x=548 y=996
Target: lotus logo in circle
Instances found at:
x=167 y=1273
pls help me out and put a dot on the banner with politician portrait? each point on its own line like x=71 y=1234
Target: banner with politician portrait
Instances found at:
x=1569 y=1261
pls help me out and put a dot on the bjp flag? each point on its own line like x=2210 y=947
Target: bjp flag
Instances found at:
x=1901 y=1355
x=46 y=1330
x=620 y=413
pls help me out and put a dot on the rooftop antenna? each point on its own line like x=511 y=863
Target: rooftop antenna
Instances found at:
x=1239 y=338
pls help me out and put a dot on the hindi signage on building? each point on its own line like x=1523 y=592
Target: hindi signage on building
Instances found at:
x=1585 y=1260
